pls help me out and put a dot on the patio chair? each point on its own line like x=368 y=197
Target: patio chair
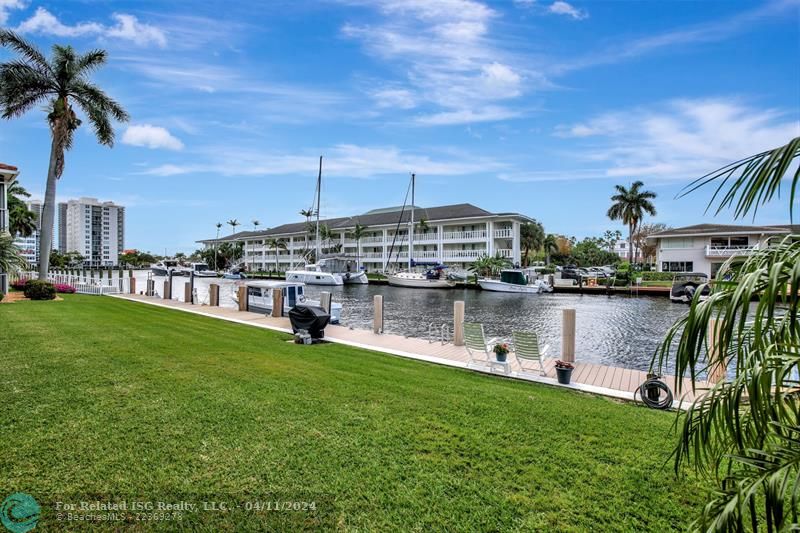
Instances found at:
x=479 y=349
x=527 y=350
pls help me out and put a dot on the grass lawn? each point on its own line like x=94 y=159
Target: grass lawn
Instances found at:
x=103 y=397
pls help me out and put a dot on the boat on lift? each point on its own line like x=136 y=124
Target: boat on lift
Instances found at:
x=431 y=277
x=259 y=297
x=201 y=270
x=165 y=267
x=516 y=280
x=686 y=284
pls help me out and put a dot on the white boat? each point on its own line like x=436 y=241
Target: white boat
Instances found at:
x=165 y=267
x=259 y=297
x=516 y=280
x=330 y=271
x=685 y=285
x=432 y=277
x=199 y=269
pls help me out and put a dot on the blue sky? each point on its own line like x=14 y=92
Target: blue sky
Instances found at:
x=532 y=106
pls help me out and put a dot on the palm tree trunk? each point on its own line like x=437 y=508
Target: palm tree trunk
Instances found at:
x=630 y=243
x=48 y=210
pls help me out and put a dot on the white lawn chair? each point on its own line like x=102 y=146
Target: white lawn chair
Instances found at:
x=480 y=350
x=527 y=350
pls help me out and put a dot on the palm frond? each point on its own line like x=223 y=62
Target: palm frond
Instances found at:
x=87 y=94
x=751 y=182
x=90 y=61
x=27 y=50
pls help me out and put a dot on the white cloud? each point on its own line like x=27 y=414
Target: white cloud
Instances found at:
x=151 y=136
x=343 y=160
x=448 y=57
x=563 y=8
x=467 y=116
x=394 y=98
x=127 y=28
x=8 y=5
x=681 y=139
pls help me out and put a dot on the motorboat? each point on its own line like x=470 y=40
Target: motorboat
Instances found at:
x=516 y=280
x=235 y=273
x=198 y=269
x=329 y=271
x=686 y=284
x=259 y=297
x=165 y=267
x=431 y=278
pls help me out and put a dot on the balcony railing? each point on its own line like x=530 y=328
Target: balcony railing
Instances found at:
x=464 y=235
x=728 y=251
x=426 y=237
x=505 y=233
x=463 y=254
x=505 y=253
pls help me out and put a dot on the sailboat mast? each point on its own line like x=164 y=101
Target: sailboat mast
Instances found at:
x=319 y=193
x=411 y=227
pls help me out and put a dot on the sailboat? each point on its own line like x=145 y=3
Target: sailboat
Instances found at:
x=432 y=276
x=330 y=270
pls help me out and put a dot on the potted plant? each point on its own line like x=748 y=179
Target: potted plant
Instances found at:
x=501 y=351
x=564 y=372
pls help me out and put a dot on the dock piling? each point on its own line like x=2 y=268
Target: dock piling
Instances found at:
x=132 y=285
x=377 y=320
x=213 y=295
x=187 y=293
x=151 y=287
x=167 y=290
x=242 y=295
x=568 y=336
x=277 y=303
x=458 y=323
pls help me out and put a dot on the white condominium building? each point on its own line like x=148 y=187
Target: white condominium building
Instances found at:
x=94 y=229
x=705 y=247
x=455 y=235
x=29 y=246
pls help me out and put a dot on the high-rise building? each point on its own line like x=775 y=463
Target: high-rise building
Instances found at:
x=8 y=174
x=29 y=246
x=94 y=229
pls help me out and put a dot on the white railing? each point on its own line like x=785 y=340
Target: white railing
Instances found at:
x=371 y=255
x=83 y=284
x=728 y=251
x=505 y=233
x=463 y=254
x=505 y=252
x=428 y=254
x=464 y=235
x=368 y=240
x=426 y=237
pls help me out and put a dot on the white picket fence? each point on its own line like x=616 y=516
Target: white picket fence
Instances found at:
x=83 y=284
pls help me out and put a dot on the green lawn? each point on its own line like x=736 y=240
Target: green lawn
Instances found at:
x=105 y=397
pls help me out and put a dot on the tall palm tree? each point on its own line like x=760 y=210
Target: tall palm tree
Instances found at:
x=549 y=246
x=233 y=223
x=358 y=233
x=216 y=246
x=531 y=237
x=276 y=244
x=308 y=213
x=256 y=223
x=21 y=220
x=33 y=80
x=744 y=434
x=630 y=206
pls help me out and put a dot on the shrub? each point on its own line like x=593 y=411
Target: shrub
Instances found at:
x=19 y=284
x=2 y=296
x=64 y=288
x=657 y=276
x=39 y=290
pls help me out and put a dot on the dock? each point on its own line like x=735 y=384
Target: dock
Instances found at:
x=614 y=382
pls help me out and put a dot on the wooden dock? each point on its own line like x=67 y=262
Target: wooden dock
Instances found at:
x=587 y=377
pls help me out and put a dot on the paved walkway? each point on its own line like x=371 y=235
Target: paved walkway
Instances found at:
x=587 y=377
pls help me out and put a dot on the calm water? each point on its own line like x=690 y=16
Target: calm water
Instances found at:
x=614 y=330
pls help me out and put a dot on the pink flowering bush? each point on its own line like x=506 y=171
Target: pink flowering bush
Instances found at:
x=19 y=284
x=64 y=288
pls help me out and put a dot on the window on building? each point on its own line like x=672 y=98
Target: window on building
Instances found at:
x=740 y=242
x=677 y=242
x=677 y=266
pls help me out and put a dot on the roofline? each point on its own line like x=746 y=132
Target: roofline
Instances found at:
x=775 y=231
x=429 y=221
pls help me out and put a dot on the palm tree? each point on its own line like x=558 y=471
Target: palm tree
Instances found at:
x=256 y=223
x=308 y=213
x=549 y=246
x=531 y=237
x=233 y=223
x=358 y=233
x=487 y=265
x=10 y=258
x=216 y=246
x=630 y=206
x=21 y=220
x=59 y=82
x=743 y=434
x=276 y=244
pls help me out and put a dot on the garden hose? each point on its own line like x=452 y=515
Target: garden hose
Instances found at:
x=651 y=393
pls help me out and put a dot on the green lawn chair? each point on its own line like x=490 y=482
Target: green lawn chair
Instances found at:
x=527 y=350
x=480 y=350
